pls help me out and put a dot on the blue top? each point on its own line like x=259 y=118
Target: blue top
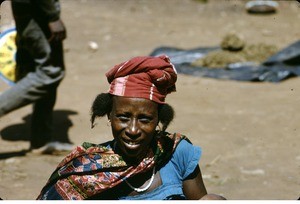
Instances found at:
x=181 y=165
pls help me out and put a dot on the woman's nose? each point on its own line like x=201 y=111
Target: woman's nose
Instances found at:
x=133 y=128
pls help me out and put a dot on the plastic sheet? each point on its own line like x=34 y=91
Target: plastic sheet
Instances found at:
x=280 y=66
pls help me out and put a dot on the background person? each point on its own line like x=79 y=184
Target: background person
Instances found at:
x=40 y=67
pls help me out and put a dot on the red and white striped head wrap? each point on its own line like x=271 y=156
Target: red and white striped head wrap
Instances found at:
x=143 y=77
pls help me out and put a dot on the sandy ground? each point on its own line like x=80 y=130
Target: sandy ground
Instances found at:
x=249 y=132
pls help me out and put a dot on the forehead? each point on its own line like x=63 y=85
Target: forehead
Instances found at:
x=121 y=103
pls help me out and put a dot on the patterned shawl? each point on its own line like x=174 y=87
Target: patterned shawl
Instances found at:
x=91 y=169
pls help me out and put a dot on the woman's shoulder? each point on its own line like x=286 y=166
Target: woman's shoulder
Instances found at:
x=181 y=141
x=186 y=156
x=186 y=149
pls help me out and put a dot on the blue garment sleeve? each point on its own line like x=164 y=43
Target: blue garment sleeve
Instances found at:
x=186 y=158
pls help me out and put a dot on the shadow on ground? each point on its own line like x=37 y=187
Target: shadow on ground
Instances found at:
x=21 y=131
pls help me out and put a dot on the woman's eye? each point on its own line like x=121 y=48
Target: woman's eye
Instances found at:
x=122 y=117
x=145 y=120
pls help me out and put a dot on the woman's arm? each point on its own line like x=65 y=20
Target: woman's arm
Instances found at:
x=194 y=188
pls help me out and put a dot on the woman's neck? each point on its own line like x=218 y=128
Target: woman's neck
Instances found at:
x=133 y=161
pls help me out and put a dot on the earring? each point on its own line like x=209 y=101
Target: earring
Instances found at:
x=108 y=123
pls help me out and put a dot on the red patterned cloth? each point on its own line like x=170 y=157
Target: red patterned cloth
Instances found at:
x=143 y=77
x=91 y=169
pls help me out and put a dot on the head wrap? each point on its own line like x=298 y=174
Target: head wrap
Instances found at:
x=143 y=77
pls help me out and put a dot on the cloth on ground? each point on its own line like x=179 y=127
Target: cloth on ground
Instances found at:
x=278 y=67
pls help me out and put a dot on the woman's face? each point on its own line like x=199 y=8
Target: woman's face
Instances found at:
x=133 y=122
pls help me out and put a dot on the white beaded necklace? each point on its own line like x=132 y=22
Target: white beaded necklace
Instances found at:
x=140 y=190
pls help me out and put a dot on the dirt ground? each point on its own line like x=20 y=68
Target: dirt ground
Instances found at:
x=248 y=131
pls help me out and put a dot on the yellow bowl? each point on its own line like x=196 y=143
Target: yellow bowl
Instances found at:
x=7 y=56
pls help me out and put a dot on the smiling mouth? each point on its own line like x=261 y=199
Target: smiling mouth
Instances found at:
x=131 y=145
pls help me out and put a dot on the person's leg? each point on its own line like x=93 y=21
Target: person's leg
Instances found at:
x=35 y=85
x=42 y=116
x=38 y=86
x=42 y=120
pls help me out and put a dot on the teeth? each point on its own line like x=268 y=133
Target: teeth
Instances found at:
x=131 y=144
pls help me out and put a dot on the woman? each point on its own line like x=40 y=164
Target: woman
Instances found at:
x=143 y=161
